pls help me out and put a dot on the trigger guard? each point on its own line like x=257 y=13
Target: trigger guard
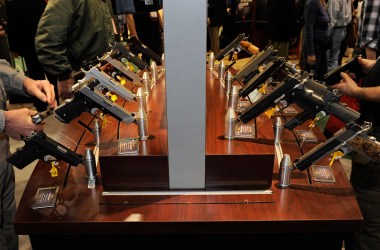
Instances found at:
x=93 y=111
x=49 y=158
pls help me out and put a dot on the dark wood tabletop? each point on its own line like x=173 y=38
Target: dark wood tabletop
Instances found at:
x=305 y=207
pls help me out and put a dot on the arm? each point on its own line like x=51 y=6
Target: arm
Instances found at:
x=161 y=18
x=17 y=83
x=17 y=123
x=131 y=25
x=52 y=38
x=333 y=8
x=2 y=31
x=349 y=87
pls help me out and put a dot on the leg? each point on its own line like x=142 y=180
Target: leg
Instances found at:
x=8 y=206
x=338 y=37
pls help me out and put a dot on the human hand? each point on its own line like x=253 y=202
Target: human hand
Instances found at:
x=19 y=123
x=311 y=59
x=366 y=64
x=347 y=85
x=64 y=88
x=42 y=89
x=293 y=40
x=2 y=31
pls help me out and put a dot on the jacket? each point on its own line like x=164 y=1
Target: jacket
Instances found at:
x=71 y=32
x=282 y=23
x=340 y=13
x=10 y=82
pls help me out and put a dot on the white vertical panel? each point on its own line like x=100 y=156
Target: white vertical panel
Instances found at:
x=185 y=64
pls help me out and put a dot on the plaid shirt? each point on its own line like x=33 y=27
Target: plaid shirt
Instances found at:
x=369 y=27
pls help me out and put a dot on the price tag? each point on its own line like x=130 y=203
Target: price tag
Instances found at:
x=128 y=146
x=270 y=112
x=263 y=89
x=53 y=170
x=104 y=120
x=112 y=96
x=245 y=130
x=322 y=173
x=336 y=155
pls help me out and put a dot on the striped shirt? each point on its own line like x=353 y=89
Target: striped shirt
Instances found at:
x=369 y=26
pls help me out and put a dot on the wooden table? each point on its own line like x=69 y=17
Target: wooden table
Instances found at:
x=307 y=215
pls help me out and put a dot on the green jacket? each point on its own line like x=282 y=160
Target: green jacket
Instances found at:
x=72 y=31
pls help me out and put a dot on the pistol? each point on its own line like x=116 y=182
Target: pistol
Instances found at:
x=340 y=138
x=108 y=82
x=260 y=78
x=40 y=146
x=251 y=68
x=88 y=99
x=309 y=95
x=351 y=66
x=120 y=51
x=136 y=47
x=234 y=46
x=129 y=74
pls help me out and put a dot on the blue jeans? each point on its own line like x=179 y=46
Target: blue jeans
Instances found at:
x=338 y=36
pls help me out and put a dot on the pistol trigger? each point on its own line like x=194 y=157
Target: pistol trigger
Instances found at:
x=49 y=158
x=94 y=111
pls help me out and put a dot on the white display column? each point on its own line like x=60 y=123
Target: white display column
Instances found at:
x=185 y=67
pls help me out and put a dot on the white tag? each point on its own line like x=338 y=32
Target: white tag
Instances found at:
x=148 y=2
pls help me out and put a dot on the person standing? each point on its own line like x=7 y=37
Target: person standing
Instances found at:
x=217 y=14
x=71 y=33
x=23 y=17
x=14 y=124
x=340 y=13
x=315 y=38
x=369 y=29
x=148 y=28
x=365 y=173
x=282 y=25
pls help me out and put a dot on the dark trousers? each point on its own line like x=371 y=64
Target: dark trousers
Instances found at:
x=369 y=236
x=320 y=67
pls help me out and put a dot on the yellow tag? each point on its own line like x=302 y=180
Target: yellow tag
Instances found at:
x=121 y=80
x=270 y=112
x=53 y=171
x=111 y=96
x=312 y=124
x=263 y=89
x=235 y=57
x=104 y=120
x=336 y=155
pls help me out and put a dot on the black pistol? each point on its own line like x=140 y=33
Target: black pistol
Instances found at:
x=309 y=95
x=351 y=66
x=88 y=99
x=230 y=48
x=136 y=47
x=120 y=51
x=40 y=146
x=341 y=138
